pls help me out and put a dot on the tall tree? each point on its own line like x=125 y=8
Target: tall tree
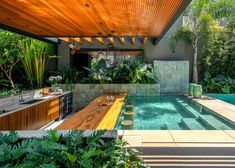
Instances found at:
x=200 y=17
x=10 y=54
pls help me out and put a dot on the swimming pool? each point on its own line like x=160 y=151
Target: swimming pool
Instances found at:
x=172 y=113
x=230 y=98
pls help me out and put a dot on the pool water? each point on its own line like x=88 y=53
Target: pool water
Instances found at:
x=172 y=113
x=230 y=98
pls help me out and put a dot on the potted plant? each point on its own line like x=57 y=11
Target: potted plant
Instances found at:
x=55 y=81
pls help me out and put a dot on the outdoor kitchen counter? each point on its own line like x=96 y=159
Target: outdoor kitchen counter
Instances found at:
x=20 y=106
x=32 y=116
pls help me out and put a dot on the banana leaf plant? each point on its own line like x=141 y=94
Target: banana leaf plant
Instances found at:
x=35 y=60
x=99 y=72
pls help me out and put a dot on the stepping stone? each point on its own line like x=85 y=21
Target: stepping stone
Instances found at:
x=127 y=124
x=130 y=107
x=129 y=115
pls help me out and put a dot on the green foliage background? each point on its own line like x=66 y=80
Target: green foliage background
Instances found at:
x=12 y=54
x=209 y=28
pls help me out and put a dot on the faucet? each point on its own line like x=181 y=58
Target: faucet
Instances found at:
x=21 y=99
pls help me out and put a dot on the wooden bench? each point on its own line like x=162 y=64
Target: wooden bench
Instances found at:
x=96 y=115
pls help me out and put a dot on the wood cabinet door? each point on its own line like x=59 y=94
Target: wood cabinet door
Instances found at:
x=4 y=123
x=32 y=118
x=14 y=121
x=54 y=109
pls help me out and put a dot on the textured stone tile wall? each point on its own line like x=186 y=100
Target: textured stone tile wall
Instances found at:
x=173 y=76
x=83 y=94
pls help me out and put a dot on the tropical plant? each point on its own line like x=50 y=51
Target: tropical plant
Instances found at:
x=70 y=74
x=197 y=24
x=125 y=71
x=71 y=150
x=218 y=56
x=35 y=60
x=219 y=84
x=201 y=18
x=99 y=72
x=143 y=73
x=6 y=92
x=10 y=55
x=223 y=12
x=121 y=72
x=129 y=71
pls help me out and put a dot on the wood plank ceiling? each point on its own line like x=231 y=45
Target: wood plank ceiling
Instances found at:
x=90 y=18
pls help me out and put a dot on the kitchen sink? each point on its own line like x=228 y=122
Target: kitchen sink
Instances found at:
x=31 y=101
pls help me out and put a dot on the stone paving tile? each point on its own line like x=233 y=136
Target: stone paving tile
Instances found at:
x=205 y=144
x=133 y=140
x=210 y=136
x=157 y=144
x=225 y=109
x=230 y=132
x=151 y=135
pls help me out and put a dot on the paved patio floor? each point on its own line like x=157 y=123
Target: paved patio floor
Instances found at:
x=178 y=138
x=220 y=107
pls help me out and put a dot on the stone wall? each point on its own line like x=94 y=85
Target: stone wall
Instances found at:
x=83 y=94
x=173 y=76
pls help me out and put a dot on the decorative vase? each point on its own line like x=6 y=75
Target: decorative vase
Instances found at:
x=197 y=91
x=55 y=89
x=190 y=89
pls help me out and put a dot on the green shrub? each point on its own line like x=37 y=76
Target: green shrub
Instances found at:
x=71 y=150
x=219 y=84
x=126 y=71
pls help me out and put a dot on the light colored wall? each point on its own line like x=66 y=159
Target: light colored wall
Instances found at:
x=184 y=51
x=83 y=94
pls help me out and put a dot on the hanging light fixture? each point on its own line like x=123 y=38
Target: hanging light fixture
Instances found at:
x=74 y=46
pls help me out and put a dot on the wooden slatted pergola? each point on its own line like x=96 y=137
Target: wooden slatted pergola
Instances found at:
x=89 y=19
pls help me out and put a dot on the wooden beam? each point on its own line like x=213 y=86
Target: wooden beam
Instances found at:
x=66 y=39
x=88 y=39
x=122 y=40
x=79 y=40
x=132 y=40
x=111 y=40
x=100 y=40
x=144 y=40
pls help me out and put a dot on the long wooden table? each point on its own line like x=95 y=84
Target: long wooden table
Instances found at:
x=96 y=115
